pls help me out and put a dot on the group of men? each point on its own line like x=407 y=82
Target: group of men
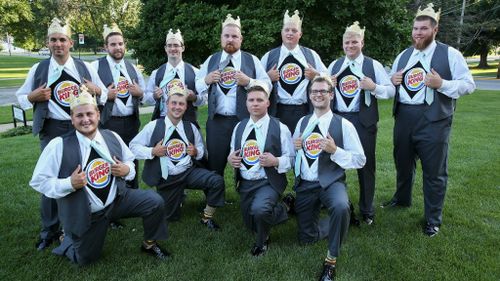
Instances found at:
x=254 y=108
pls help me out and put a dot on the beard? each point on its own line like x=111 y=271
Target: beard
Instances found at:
x=422 y=44
x=230 y=48
x=117 y=55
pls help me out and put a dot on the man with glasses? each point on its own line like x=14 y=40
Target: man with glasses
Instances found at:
x=175 y=73
x=326 y=146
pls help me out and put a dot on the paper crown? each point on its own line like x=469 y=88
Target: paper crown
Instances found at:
x=82 y=99
x=107 y=30
x=355 y=29
x=56 y=26
x=429 y=11
x=176 y=90
x=292 y=19
x=258 y=83
x=177 y=36
x=230 y=20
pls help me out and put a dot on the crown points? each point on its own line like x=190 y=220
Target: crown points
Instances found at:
x=107 y=30
x=429 y=11
x=295 y=18
x=230 y=20
x=355 y=29
x=177 y=35
x=57 y=26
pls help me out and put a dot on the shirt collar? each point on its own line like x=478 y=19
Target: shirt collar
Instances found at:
x=68 y=64
x=294 y=51
x=86 y=141
x=236 y=56
x=179 y=67
x=358 y=60
x=325 y=117
x=169 y=123
x=427 y=51
x=259 y=122
x=112 y=62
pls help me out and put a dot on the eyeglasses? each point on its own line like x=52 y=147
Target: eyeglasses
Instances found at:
x=319 y=92
x=173 y=46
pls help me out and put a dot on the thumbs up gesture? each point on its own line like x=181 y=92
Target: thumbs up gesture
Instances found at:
x=78 y=178
x=328 y=144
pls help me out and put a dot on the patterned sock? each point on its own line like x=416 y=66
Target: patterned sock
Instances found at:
x=331 y=260
x=208 y=212
x=148 y=243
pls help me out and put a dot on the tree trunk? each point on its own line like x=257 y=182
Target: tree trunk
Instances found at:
x=483 y=57
x=498 y=70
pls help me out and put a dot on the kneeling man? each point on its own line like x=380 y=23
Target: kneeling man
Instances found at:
x=85 y=171
x=170 y=146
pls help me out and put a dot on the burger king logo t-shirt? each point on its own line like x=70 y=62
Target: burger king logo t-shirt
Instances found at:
x=413 y=80
x=176 y=148
x=250 y=152
x=63 y=89
x=99 y=177
x=311 y=145
x=291 y=74
x=228 y=78
x=348 y=86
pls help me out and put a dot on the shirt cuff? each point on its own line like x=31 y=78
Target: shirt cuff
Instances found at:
x=338 y=155
x=66 y=187
x=282 y=164
x=445 y=86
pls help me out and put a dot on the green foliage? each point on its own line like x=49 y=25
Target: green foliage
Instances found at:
x=18 y=131
x=393 y=249
x=323 y=26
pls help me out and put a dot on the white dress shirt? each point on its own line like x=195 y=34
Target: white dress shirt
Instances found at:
x=45 y=176
x=383 y=88
x=300 y=95
x=56 y=112
x=226 y=103
x=287 y=151
x=351 y=156
x=141 y=149
x=461 y=82
x=119 y=108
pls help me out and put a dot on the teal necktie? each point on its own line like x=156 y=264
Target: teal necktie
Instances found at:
x=170 y=75
x=429 y=93
x=298 y=157
x=54 y=76
x=225 y=62
x=260 y=137
x=116 y=73
x=102 y=152
x=164 y=158
x=355 y=69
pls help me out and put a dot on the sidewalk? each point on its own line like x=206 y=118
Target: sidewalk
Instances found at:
x=8 y=126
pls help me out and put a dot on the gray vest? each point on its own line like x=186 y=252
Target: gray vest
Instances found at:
x=328 y=171
x=189 y=79
x=151 y=174
x=107 y=79
x=443 y=106
x=247 y=67
x=272 y=145
x=41 y=109
x=368 y=115
x=272 y=60
x=74 y=208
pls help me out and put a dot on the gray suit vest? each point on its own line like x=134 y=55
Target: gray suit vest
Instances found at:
x=41 y=109
x=107 y=79
x=272 y=145
x=368 y=115
x=151 y=174
x=247 y=67
x=74 y=209
x=328 y=171
x=443 y=106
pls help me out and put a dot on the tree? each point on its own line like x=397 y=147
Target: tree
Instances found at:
x=387 y=23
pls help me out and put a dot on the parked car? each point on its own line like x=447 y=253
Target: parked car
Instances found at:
x=44 y=52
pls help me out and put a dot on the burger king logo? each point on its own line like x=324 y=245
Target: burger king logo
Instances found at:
x=98 y=173
x=349 y=86
x=414 y=79
x=227 y=77
x=122 y=87
x=251 y=152
x=64 y=90
x=175 y=83
x=312 y=145
x=176 y=149
x=291 y=73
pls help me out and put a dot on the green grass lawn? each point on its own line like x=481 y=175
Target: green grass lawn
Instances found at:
x=491 y=71
x=393 y=249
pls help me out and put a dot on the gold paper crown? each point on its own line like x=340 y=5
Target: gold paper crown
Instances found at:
x=56 y=26
x=83 y=98
x=258 y=83
x=177 y=36
x=292 y=19
x=108 y=30
x=429 y=11
x=176 y=90
x=355 y=29
x=231 y=20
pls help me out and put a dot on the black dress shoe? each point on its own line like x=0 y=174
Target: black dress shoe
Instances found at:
x=431 y=230
x=368 y=219
x=210 y=224
x=42 y=244
x=156 y=251
x=116 y=225
x=329 y=272
x=289 y=201
x=392 y=204
x=257 y=251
